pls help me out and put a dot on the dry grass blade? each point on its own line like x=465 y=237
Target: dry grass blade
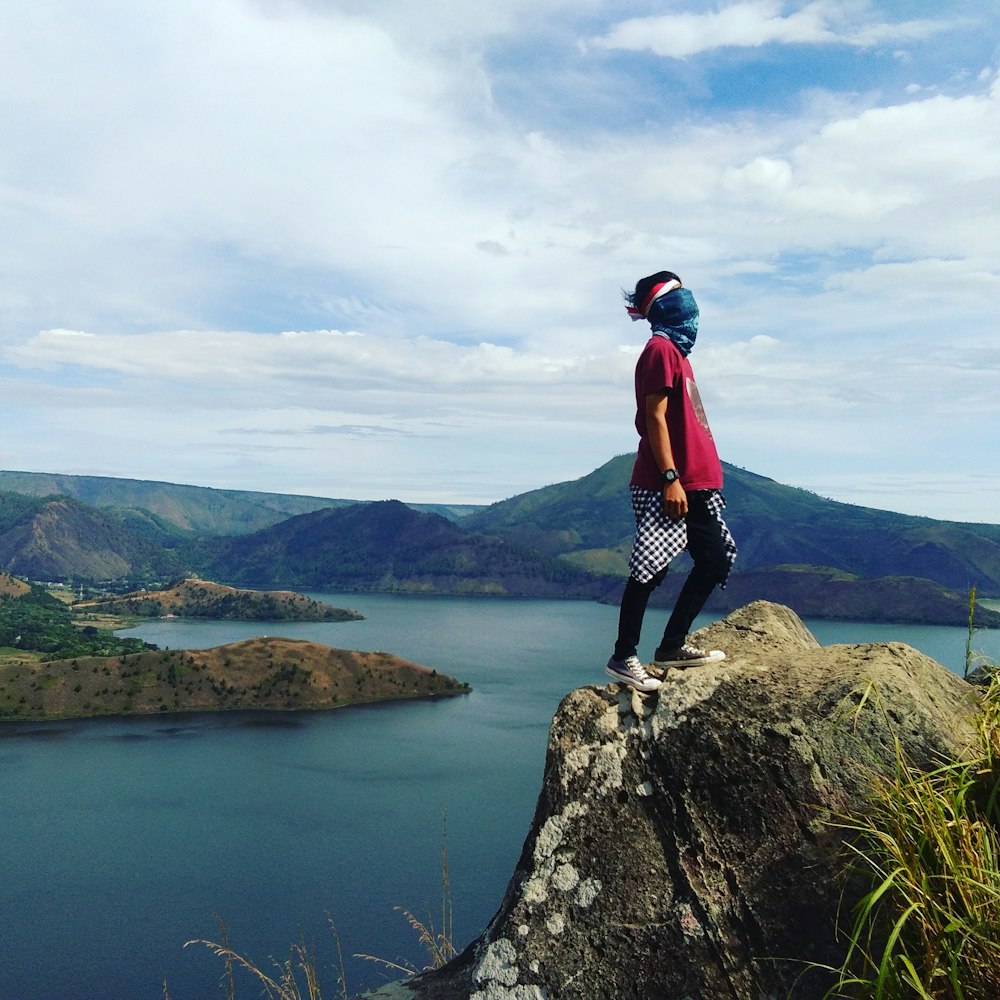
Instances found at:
x=297 y=977
x=438 y=943
x=231 y=958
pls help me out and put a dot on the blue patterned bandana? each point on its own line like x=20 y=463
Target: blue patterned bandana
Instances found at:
x=675 y=316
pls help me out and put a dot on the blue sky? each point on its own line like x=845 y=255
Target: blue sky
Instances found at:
x=371 y=250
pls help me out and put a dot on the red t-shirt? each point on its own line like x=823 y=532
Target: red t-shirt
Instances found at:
x=661 y=367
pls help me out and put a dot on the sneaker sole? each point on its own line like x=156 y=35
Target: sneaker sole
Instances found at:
x=697 y=662
x=632 y=684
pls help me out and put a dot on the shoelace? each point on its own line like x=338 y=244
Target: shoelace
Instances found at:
x=635 y=666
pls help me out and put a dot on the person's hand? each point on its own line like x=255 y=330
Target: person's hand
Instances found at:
x=675 y=501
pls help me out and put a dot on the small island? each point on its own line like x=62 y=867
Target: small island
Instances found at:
x=194 y=598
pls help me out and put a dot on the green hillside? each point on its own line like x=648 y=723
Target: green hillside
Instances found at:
x=190 y=509
x=590 y=521
x=60 y=538
x=565 y=540
x=32 y=621
x=198 y=509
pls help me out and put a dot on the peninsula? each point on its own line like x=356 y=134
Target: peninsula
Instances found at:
x=262 y=673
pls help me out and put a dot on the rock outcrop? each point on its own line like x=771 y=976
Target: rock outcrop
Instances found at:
x=682 y=847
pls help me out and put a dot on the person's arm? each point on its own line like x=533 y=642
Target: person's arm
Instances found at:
x=674 y=498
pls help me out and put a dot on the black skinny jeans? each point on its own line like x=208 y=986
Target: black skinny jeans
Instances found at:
x=711 y=567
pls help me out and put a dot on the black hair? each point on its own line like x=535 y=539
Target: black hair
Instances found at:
x=645 y=285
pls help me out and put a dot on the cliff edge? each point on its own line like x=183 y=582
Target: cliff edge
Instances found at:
x=681 y=848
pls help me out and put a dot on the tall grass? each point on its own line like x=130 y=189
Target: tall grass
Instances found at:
x=298 y=976
x=438 y=940
x=978 y=668
x=929 y=848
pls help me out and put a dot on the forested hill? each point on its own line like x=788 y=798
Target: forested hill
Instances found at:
x=59 y=538
x=386 y=546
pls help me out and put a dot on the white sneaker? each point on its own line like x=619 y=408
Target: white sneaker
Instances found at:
x=631 y=672
x=687 y=656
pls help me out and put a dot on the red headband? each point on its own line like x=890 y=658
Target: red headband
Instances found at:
x=642 y=311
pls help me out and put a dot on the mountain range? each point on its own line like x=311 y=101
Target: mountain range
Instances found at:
x=589 y=521
x=197 y=509
x=569 y=539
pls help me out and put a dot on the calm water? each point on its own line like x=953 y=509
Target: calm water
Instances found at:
x=119 y=839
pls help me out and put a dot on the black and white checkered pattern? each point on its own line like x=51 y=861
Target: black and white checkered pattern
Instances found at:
x=716 y=504
x=659 y=540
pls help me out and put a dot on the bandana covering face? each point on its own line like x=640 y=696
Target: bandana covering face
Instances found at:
x=675 y=316
x=672 y=316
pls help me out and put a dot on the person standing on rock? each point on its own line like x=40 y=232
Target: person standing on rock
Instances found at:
x=676 y=486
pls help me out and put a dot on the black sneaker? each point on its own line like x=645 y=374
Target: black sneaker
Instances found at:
x=631 y=672
x=687 y=656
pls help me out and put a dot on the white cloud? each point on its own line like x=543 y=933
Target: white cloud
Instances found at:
x=331 y=358
x=325 y=143
x=754 y=23
x=180 y=182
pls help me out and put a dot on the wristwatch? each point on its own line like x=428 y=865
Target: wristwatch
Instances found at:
x=670 y=476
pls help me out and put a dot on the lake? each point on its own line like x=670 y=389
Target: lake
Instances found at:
x=121 y=838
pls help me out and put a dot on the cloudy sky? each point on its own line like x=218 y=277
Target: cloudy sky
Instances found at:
x=370 y=249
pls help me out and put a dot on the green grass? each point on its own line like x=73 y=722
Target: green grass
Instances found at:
x=928 y=847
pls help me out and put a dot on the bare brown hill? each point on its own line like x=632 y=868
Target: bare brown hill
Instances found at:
x=11 y=586
x=259 y=673
x=202 y=599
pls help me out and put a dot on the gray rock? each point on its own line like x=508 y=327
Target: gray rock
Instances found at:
x=681 y=847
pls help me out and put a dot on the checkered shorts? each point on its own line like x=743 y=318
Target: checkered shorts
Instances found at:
x=658 y=540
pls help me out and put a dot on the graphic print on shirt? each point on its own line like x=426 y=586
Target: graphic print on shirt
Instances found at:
x=697 y=406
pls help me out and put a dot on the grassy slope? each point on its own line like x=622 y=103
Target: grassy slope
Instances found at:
x=199 y=509
x=191 y=508
x=11 y=586
x=260 y=673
